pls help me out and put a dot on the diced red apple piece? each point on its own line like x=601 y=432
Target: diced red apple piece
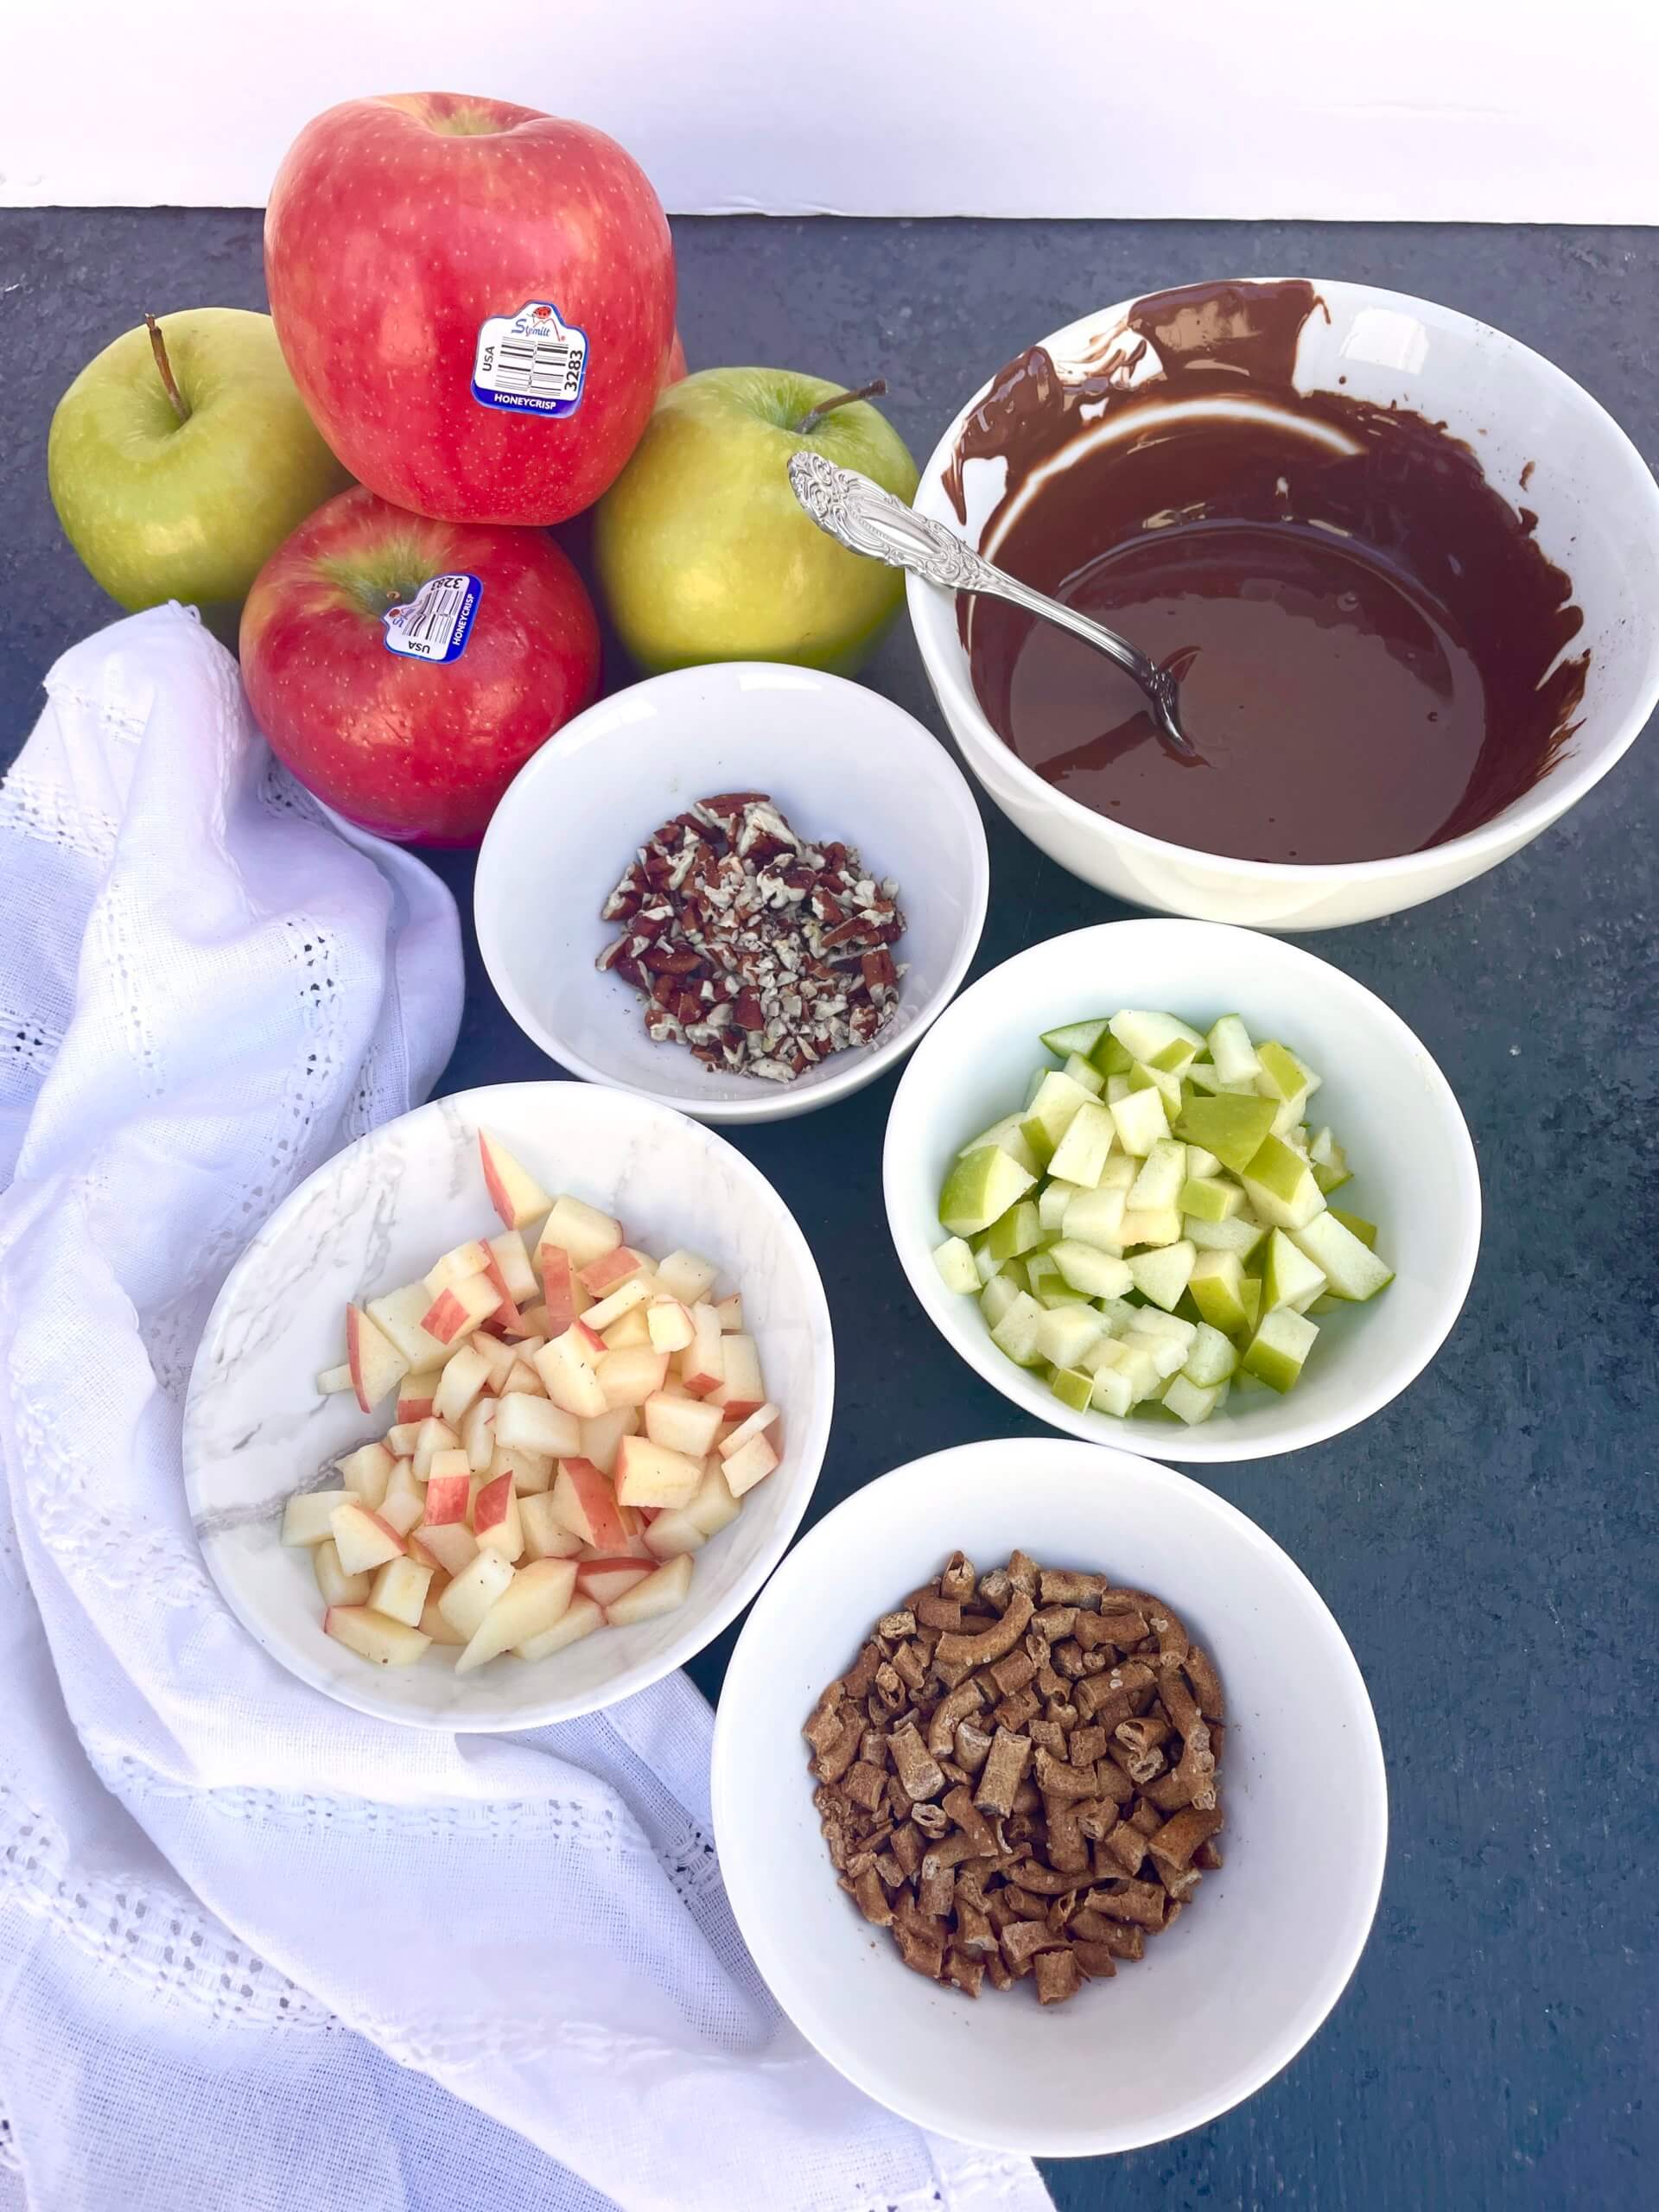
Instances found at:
x=688 y=1424
x=669 y=1325
x=338 y=1587
x=523 y=1381
x=332 y=1380
x=308 y=1515
x=478 y=1434
x=497 y=1356
x=687 y=1276
x=515 y=1193
x=434 y=1624
x=650 y=1474
x=559 y=1286
x=474 y=1591
x=367 y=1471
x=399 y=1317
x=447 y=1499
x=631 y=1330
x=730 y=1310
x=496 y=1523
x=545 y=1537
x=703 y=1363
x=506 y=1317
x=661 y=1593
x=536 y=1600
x=378 y=1365
x=457 y=1311
x=581 y=1617
x=762 y=1419
x=450 y=1461
x=371 y=1636
x=585 y=1502
x=436 y=1436
x=714 y=1508
x=469 y=1259
x=600 y=1436
x=511 y=1257
x=450 y=1542
x=403 y=1501
x=612 y=1269
x=609 y=1311
x=673 y=1533
x=414 y=1401
x=462 y=1381
x=399 y=1591
x=579 y=1231
x=742 y=1392
x=567 y=1368
x=538 y=1425
x=363 y=1540
x=532 y=1472
x=628 y=1378
x=403 y=1437
x=750 y=1465
x=605 y=1581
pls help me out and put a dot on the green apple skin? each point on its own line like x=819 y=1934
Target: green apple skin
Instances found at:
x=159 y=509
x=702 y=550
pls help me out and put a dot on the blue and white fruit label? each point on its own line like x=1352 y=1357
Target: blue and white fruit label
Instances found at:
x=532 y=361
x=436 y=623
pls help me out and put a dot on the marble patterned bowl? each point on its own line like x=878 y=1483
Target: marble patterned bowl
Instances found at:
x=378 y=1214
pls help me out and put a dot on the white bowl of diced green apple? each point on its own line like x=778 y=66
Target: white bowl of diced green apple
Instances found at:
x=1181 y=1182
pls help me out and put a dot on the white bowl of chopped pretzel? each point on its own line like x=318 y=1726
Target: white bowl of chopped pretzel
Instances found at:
x=999 y=1722
x=754 y=959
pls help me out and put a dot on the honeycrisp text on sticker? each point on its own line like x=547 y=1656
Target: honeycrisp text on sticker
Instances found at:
x=532 y=362
x=436 y=623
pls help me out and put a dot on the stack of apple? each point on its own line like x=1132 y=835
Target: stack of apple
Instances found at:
x=573 y=1420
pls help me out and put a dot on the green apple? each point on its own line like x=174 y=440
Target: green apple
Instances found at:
x=702 y=551
x=180 y=459
x=980 y=1188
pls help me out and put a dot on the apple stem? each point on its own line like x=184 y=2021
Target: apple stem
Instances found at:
x=158 y=347
x=873 y=389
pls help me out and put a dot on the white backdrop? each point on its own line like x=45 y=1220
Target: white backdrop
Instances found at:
x=1506 y=110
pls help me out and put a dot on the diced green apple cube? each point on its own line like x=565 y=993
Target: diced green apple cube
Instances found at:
x=1054 y=1106
x=1105 y=1351
x=1016 y=1333
x=1140 y=1370
x=1330 y=1162
x=1281 y=1343
x=1064 y=1335
x=1152 y=1321
x=995 y=1299
x=1216 y=1286
x=1096 y=1217
x=1201 y=1165
x=1072 y=1388
x=1238 y=1233
x=1287 y=1122
x=1162 y=1174
x=1353 y=1270
x=1076 y=1037
x=1231 y=1127
x=1117 y=1086
x=1162 y=1276
x=1081 y=1152
x=1281 y=1075
x=1356 y=1225
x=1250 y=1290
x=1235 y=1056
x=1210 y=1198
x=1041 y=1269
x=1162 y=1227
x=1143 y=1036
x=1113 y=1391
x=1289 y=1276
x=1164 y=1353
x=1168 y=1085
x=1200 y=1075
x=1279 y=1187
x=1188 y=1401
x=1052 y=1202
x=1141 y=1121
x=1085 y=1073
x=1210 y=1359
x=1110 y=1057
x=986 y=1264
x=1019 y=1230
x=1095 y=1273
x=979 y=1186
x=1119 y=1173
x=1005 y=1137
x=954 y=1260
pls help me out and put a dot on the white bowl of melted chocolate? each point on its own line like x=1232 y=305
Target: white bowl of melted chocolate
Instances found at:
x=1407 y=571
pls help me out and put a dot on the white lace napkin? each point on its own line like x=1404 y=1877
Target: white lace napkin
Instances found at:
x=257 y=1951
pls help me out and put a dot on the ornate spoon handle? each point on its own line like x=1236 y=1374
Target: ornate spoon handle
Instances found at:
x=864 y=518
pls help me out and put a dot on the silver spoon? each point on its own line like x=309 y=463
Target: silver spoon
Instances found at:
x=864 y=518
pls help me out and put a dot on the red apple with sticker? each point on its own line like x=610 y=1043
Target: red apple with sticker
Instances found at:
x=405 y=670
x=475 y=300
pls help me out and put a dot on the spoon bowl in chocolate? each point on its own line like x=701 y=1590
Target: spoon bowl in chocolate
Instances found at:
x=858 y=514
x=1407 y=570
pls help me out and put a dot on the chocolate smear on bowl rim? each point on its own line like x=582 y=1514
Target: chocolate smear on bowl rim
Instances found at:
x=1372 y=645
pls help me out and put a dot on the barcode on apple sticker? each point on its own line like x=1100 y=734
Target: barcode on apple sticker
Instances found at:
x=533 y=362
x=436 y=623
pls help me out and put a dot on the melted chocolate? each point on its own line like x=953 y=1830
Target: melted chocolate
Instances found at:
x=1372 y=643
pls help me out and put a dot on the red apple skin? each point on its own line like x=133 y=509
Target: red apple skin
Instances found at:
x=676 y=367
x=416 y=752
x=396 y=227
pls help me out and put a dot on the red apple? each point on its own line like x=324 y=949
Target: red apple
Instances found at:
x=676 y=367
x=415 y=749
x=405 y=237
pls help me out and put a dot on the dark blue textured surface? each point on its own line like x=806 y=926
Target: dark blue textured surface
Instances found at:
x=1489 y=1542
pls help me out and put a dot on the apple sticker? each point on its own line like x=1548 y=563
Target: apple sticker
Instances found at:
x=533 y=362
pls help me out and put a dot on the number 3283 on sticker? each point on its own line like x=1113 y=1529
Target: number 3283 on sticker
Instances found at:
x=436 y=623
x=532 y=362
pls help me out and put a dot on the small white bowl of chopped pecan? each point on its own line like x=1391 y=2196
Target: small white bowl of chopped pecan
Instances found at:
x=1049 y=1797
x=743 y=890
